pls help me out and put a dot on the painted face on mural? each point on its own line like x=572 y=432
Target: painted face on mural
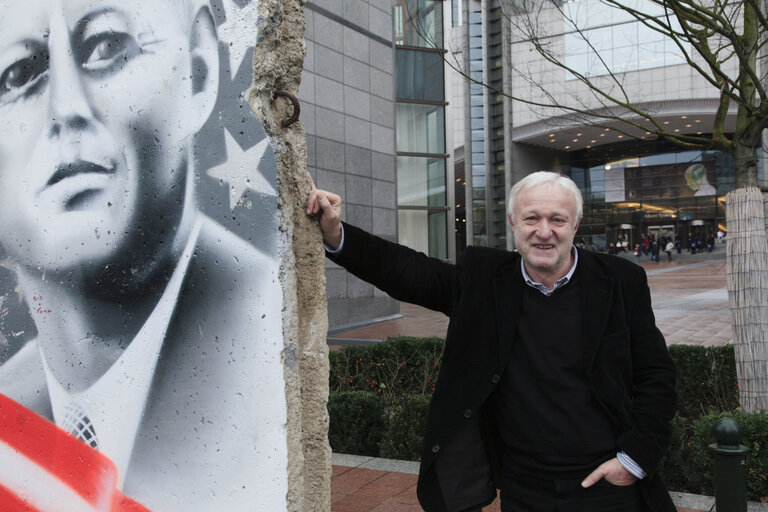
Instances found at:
x=99 y=102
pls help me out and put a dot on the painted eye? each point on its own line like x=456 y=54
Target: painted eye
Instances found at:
x=107 y=52
x=23 y=76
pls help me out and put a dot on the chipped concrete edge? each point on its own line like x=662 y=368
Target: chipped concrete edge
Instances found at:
x=277 y=65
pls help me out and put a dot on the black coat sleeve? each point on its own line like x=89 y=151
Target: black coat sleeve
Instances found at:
x=403 y=273
x=654 y=398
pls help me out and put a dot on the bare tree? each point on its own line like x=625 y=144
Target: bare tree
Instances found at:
x=723 y=43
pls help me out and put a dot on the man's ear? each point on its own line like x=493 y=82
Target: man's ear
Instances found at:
x=576 y=227
x=204 y=65
x=511 y=224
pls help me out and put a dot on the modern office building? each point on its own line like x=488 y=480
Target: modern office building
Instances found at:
x=374 y=108
x=348 y=110
x=631 y=185
x=402 y=101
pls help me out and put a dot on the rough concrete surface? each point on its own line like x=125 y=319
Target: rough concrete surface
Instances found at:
x=277 y=66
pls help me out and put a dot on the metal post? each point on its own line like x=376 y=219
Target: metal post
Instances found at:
x=729 y=455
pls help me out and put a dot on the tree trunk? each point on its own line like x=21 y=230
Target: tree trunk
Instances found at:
x=747 y=255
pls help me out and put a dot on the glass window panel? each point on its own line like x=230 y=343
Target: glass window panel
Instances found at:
x=650 y=55
x=419 y=75
x=420 y=128
x=437 y=234
x=596 y=64
x=597 y=180
x=578 y=63
x=576 y=13
x=436 y=182
x=575 y=44
x=421 y=22
x=420 y=181
x=625 y=34
x=646 y=35
x=688 y=156
x=660 y=159
x=456 y=12
x=601 y=39
x=424 y=231
x=413 y=229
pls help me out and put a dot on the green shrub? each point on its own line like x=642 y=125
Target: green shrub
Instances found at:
x=706 y=379
x=356 y=422
x=689 y=466
x=393 y=369
x=380 y=396
x=755 y=429
x=673 y=466
x=405 y=429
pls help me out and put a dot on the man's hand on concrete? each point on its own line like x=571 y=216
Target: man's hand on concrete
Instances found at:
x=328 y=205
x=613 y=472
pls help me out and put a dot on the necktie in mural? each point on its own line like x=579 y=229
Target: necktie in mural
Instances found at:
x=77 y=423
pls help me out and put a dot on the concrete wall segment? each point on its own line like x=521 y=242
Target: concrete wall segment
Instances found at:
x=303 y=259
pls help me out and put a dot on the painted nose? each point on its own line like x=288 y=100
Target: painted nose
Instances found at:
x=70 y=111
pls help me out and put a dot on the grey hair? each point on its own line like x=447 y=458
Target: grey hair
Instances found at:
x=551 y=179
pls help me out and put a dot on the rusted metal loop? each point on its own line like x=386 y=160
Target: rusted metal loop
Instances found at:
x=296 y=107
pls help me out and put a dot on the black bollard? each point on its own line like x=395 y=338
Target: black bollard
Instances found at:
x=729 y=454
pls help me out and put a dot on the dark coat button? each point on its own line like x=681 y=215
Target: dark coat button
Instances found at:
x=467 y=413
x=495 y=379
x=436 y=448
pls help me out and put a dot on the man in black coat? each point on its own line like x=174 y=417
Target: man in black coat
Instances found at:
x=555 y=385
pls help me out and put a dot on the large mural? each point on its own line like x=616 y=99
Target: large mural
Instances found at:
x=140 y=307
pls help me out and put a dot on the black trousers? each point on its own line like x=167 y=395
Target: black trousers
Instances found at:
x=525 y=494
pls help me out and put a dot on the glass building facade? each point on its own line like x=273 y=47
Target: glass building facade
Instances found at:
x=639 y=189
x=423 y=209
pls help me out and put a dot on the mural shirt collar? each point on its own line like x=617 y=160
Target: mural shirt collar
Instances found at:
x=116 y=422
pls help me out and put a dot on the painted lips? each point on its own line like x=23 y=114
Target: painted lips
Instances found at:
x=74 y=185
x=76 y=168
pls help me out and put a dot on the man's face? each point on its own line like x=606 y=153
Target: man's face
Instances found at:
x=97 y=110
x=544 y=225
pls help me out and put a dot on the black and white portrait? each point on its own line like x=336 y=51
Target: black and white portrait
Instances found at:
x=140 y=302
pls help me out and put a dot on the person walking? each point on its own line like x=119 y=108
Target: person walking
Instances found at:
x=670 y=247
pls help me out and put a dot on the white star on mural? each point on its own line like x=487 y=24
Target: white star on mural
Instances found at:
x=241 y=170
x=239 y=22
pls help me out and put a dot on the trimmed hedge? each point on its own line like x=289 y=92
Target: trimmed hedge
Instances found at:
x=706 y=379
x=356 y=422
x=393 y=369
x=688 y=464
x=405 y=429
x=399 y=376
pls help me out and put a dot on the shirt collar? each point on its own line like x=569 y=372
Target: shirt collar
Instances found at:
x=559 y=283
x=116 y=422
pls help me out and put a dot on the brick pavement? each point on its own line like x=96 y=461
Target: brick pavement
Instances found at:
x=691 y=306
x=355 y=489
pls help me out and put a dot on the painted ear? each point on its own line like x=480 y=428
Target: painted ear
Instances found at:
x=204 y=65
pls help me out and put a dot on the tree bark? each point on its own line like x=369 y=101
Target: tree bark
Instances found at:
x=747 y=254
